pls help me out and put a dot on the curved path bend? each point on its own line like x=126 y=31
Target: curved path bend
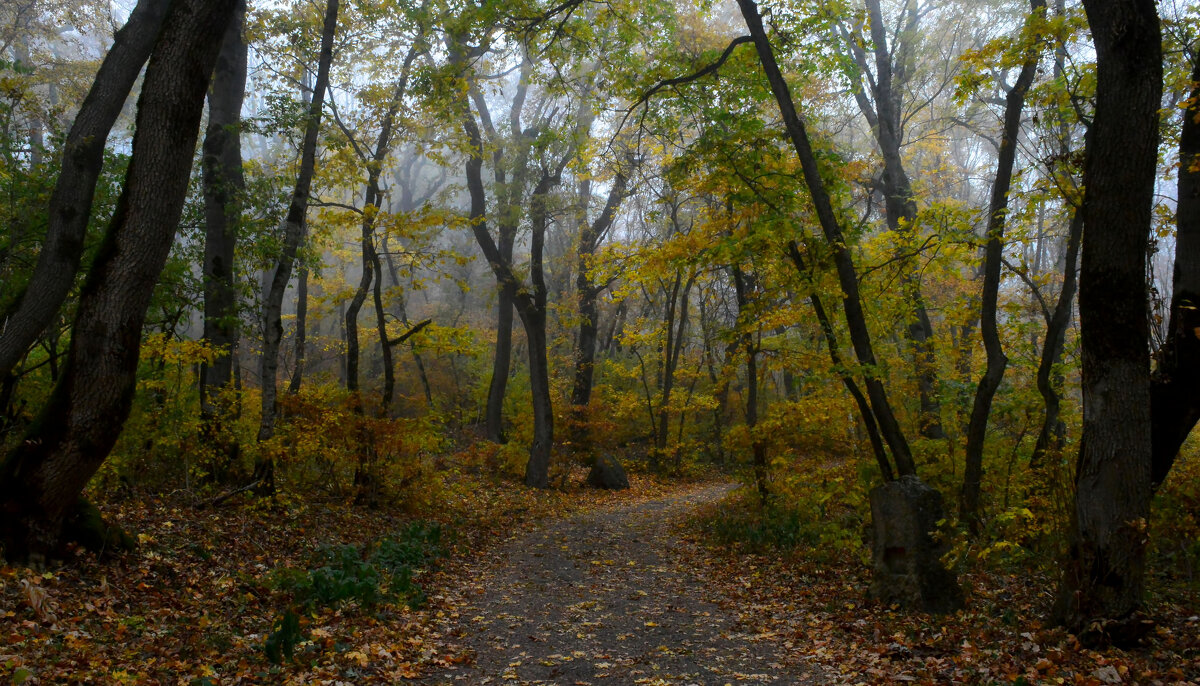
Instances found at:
x=608 y=597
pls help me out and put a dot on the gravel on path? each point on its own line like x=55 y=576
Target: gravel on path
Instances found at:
x=608 y=597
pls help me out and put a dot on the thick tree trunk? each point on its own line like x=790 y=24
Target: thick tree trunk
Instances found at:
x=860 y=337
x=531 y=306
x=224 y=185
x=537 y=470
x=293 y=232
x=993 y=255
x=1103 y=580
x=71 y=203
x=42 y=478
x=1175 y=386
x=533 y=315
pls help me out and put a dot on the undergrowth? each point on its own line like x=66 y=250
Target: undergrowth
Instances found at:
x=365 y=576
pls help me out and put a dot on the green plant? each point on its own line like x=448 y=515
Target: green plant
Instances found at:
x=414 y=546
x=284 y=638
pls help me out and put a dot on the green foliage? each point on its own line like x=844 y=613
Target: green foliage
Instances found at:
x=415 y=546
x=366 y=576
x=784 y=524
x=284 y=637
x=343 y=576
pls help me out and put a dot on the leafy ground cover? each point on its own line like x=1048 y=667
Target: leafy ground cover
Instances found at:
x=198 y=600
x=815 y=600
x=569 y=586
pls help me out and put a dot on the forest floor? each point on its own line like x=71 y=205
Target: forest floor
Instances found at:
x=609 y=597
x=568 y=586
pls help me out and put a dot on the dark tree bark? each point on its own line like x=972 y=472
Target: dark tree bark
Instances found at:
x=588 y=291
x=1175 y=386
x=530 y=302
x=1103 y=580
x=1052 y=434
x=292 y=233
x=301 y=341
x=532 y=309
x=1014 y=105
x=509 y=195
x=42 y=478
x=71 y=203
x=860 y=337
x=224 y=185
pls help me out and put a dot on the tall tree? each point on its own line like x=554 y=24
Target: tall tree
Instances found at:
x=587 y=291
x=860 y=336
x=1014 y=105
x=1175 y=386
x=42 y=478
x=372 y=267
x=881 y=103
x=530 y=300
x=224 y=185
x=293 y=231
x=71 y=204
x=1102 y=588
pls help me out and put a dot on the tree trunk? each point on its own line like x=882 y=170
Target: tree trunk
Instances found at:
x=677 y=302
x=1103 y=580
x=301 y=342
x=71 y=202
x=501 y=362
x=900 y=207
x=1175 y=386
x=864 y=407
x=224 y=185
x=529 y=305
x=42 y=478
x=367 y=252
x=532 y=308
x=371 y=264
x=1052 y=434
x=860 y=337
x=293 y=232
x=993 y=255
x=587 y=292
x=403 y=317
x=742 y=286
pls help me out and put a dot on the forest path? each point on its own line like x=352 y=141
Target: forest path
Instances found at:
x=615 y=596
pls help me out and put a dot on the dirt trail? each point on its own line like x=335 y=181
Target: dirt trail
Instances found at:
x=608 y=597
